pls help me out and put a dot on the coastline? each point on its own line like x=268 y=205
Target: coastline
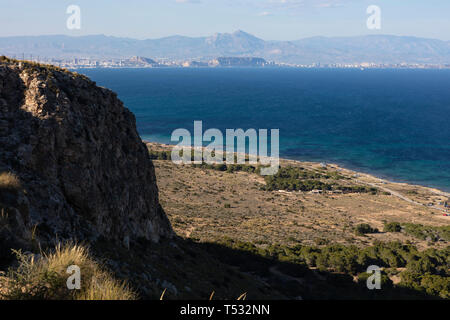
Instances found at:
x=337 y=166
x=414 y=194
x=380 y=176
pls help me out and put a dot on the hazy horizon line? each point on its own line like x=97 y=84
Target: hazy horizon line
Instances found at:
x=219 y=33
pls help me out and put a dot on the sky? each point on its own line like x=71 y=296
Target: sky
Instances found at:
x=266 y=19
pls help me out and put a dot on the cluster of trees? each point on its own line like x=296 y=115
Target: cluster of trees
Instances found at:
x=426 y=271
x=300 y=179
x=358 y=189
x=160 y=155
x=276 y=183
x=427 y=232
x=229 y=168
x=430 y=233
x=167 y=155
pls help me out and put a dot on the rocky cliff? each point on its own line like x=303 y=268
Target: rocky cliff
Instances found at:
x=72 y=165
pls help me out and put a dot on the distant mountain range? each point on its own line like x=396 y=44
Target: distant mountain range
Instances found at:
x=371 y=48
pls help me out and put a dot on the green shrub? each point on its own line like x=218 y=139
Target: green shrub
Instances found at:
x=392 y=227
x=364 y=228
x=434 y=285
x=300 y=179
x=385 y=282
x=426 y=271
x=427 y=232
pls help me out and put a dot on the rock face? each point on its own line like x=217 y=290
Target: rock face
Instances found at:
x=83 y=170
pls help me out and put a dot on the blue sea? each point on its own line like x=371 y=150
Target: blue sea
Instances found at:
x=394 y=124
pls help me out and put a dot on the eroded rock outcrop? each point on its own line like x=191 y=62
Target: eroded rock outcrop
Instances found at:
x=82 y=167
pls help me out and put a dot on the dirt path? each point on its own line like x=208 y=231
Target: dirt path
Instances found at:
x=399 y=195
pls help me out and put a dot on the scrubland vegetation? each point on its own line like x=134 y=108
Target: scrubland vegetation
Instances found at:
x=426 y=272
x=287 y=178
x=325 y=241
x=429 y=233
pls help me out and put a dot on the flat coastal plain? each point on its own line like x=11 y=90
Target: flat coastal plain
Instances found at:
x=209 y=205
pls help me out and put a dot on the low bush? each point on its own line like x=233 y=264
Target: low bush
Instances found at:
x=364 y=228
x=392 y=227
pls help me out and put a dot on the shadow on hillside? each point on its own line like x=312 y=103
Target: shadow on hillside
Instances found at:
x=206 y=267
x=193 y=270
x=297 y=280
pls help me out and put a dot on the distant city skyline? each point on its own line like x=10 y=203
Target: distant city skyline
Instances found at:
x=266 y=19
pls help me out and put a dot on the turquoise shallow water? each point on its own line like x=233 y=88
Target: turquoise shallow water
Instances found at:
x=391 y=123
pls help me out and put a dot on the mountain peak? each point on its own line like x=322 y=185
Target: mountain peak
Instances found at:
x=240 y=32
x=236 y=34
x=238 y=42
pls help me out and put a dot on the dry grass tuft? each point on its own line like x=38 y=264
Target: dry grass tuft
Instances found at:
x=162 y=295
x=242 y=297
x=9 y=181
x=45 y=277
